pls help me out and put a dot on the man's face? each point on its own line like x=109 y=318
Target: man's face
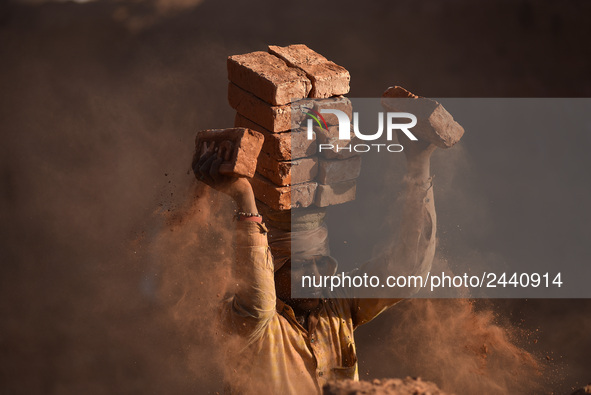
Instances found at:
x=317 y=267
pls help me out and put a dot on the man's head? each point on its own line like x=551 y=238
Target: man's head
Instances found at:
x=299 y=253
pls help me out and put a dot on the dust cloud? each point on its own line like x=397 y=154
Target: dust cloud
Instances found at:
x=463 y=349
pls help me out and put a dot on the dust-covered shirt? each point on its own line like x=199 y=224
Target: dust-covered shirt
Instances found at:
x=278 y=355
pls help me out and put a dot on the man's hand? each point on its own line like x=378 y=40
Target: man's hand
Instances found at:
x=418 y=156
x=415 y=150
x=206 y=169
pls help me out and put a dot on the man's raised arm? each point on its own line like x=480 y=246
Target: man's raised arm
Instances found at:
x=253 y=303
x=413 y=251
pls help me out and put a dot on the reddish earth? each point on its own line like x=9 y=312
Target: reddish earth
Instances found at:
x=408 y=386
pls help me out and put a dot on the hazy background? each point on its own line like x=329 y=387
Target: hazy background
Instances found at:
x=111 y=267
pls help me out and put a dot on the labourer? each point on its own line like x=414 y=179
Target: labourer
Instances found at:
x=294 y=346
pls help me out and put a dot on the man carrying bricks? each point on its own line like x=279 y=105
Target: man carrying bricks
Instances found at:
x=294 y=346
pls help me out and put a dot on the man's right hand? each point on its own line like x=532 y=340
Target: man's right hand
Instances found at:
x=206 y=169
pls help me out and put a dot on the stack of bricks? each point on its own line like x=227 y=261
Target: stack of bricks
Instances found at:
x=271 y=93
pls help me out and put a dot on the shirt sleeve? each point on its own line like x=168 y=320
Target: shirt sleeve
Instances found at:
x=415 y=267
x=253 y=303
x=366 y=309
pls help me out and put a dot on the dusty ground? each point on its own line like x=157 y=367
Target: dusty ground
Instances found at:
x=408 y=386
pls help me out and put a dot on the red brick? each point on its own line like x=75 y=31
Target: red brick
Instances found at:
x=330 y=137
x=282 y=146
x=268 y=77
x=434 y=123
x=283 y=198
x=287 y=172
x=273 y=118
x=328 y=79
x=342 y=192
x=333 y=171
x=276 y=216
x=334 y=103
x=242 y=147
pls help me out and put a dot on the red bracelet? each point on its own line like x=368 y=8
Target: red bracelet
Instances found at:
x=252 y=217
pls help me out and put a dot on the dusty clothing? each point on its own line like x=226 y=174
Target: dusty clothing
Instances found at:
x=281 y=356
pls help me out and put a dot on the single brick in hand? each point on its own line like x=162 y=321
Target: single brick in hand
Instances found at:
x=434 y=123
x=240 y=148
